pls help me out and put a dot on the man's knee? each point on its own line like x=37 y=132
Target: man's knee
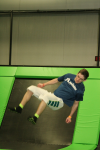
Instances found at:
x=46 y=98
x=30 y=92
x=31 y=89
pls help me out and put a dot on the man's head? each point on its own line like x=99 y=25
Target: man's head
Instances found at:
x=82 y=75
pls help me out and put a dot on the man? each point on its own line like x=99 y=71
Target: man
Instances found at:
x=70 y=92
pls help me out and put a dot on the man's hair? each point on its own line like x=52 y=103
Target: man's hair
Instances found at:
x=85 y=73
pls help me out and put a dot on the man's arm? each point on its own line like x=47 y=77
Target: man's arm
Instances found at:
x=74 y=107
x=48 y=83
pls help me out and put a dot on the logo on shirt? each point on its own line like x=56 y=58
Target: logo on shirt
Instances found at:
x=72 y=84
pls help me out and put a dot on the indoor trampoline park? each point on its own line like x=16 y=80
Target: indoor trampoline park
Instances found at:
x=43 y=41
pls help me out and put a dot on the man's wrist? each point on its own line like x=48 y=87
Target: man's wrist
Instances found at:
x=70 y=116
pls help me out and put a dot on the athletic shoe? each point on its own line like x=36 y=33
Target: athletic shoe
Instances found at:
x=32 y=120
x=15 y=109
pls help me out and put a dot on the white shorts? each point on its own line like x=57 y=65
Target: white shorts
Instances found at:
x=49 y=98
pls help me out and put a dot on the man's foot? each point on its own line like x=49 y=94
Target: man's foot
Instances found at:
x=15 y=109
x=32 y=120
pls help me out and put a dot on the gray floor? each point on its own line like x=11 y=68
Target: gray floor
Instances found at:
x=50 y=132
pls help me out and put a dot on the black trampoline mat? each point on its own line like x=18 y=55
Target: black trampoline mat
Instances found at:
x=50 y=131
x=29 y=146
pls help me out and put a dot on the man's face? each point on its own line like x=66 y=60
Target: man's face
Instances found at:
x=79 y=78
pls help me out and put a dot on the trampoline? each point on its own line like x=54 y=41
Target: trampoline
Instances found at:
x=51 y=131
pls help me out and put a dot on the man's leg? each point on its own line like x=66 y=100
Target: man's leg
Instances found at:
x=25 y=99
x=49 y=99
x=40 y=109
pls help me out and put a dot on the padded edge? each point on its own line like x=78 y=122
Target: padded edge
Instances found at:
x=7 y=71
x=52 y=72
x=6 y=84
x=43 y=72
x=87 y=121
x=79 y=147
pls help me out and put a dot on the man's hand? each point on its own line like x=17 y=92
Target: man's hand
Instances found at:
x=53 y=81
x=40 y=85
x=68 y=120
x=74 y=107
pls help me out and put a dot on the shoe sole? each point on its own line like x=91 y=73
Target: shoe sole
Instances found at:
x=13 y=111
x=30 y=120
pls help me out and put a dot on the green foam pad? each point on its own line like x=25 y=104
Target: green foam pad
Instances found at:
x=7 y=71
x=94 y=73
x=43 y=72
x=52 y=72
x=87 y=121
x=79 y=147
x=6 y=84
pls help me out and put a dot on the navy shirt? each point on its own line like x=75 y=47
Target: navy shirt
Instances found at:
x=70 y=91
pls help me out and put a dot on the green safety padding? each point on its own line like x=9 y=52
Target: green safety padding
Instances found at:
x=87 y=121
x=94 y=73
x=7 y=71
x=52 y=72
x=43 y=72
x=79 y=147
x=6 y=84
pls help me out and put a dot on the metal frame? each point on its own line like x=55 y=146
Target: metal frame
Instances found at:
x=11 y=26
x=11 y=12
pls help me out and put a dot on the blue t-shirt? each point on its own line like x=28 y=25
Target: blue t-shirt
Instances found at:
x=70 y=91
